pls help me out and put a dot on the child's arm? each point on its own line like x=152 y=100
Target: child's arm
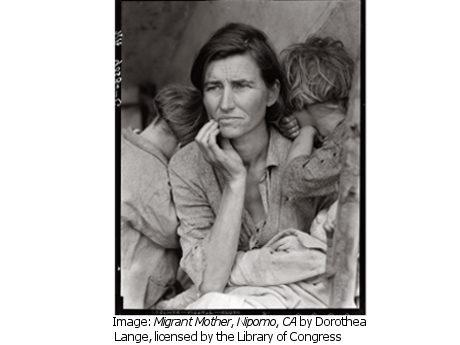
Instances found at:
x=303 y=144
x=313 y=175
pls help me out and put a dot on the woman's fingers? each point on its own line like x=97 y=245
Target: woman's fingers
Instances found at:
x=282 y=248
x=285 y=247
x=212 y=144
x=285 y=244
x=279 y=244
x=226 y=158
x=203 y=133
x=203 y=139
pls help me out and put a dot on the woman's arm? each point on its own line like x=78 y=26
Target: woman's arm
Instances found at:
x=221 y=244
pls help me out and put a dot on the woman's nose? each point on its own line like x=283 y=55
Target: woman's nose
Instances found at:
x=227 y=102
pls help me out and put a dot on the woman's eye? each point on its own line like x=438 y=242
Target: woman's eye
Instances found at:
x=240 y=86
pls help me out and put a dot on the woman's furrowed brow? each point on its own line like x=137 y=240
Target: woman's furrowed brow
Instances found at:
x=212 y=82
x=233 y=81
x=242 y=81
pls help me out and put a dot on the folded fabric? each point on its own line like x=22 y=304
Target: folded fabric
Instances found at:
x=290 y=256
x=181 y=301
x=287 y=273
x=300 y=295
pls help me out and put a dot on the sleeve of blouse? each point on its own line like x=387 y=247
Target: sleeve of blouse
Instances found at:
x=196 y=219
x=314 y=175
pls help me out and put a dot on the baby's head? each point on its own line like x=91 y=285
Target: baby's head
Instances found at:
x=181 y=109
x=317 y=71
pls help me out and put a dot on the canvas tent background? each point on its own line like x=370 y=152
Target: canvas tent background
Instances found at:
x=161 y=38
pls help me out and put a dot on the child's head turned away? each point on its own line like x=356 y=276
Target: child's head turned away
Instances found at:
x=319 y=70
x=181 y=108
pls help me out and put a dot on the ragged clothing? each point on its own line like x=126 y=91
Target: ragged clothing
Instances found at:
x=289 y=257
x=197 y=191
x=308 y=176
x=288 y=272
x=149 y=242
x=295 y=278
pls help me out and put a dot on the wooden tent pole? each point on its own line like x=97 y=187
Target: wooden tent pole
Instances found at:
x=343 y=258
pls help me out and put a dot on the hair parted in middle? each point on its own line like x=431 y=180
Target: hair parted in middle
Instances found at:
x=182 y=109
x=238 y=39
x=318 y=70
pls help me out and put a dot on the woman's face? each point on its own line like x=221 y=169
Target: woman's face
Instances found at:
x=236 y=96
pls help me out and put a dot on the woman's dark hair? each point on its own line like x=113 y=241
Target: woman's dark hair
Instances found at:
x=237 y=39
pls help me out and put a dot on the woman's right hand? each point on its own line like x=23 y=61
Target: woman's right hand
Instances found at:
x=226 y=159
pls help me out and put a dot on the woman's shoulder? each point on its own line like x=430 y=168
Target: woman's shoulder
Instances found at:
x=188 y=160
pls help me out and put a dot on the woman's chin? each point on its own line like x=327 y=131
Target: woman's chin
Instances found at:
x=230 y=133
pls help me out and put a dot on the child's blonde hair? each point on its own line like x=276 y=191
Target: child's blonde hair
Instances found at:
x=317 y=71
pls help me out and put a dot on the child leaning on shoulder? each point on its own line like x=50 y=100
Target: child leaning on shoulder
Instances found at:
x=319 y=75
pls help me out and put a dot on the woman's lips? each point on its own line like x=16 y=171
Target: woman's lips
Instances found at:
x=228 y=120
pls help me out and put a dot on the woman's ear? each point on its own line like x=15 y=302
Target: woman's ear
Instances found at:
x=273 y=93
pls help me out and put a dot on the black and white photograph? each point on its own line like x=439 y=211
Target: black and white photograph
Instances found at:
x=240 y=157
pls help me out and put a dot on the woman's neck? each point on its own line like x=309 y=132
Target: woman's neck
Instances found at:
x=253 y=146
x=326 y=116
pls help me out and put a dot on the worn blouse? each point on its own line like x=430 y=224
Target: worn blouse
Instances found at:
x=197 y=191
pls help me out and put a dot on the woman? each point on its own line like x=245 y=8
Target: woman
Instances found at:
x=226 y=185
